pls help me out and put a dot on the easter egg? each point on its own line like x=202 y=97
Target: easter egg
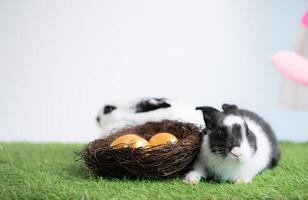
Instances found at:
x=123 y=141
x=130 y=141
x=139 y=143
x=162 y=138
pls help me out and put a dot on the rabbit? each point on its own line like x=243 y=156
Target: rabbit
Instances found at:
x=117 y=115
x=237 y=145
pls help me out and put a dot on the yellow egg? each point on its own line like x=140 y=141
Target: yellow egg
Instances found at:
x=130 y=141
x=139 y=143
x=123 y=141
x=162 y=138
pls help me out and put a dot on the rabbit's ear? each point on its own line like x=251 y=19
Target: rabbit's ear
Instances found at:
x=213 y=118
x=229 y=108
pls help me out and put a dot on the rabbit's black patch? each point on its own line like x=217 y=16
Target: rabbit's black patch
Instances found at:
x=275 y=152
x=151 y=104
x=236 y=135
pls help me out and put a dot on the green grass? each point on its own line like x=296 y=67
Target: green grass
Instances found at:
x=49 y=171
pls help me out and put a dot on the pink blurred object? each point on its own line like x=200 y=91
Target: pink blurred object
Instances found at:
x=305 y=19
x=292 y=65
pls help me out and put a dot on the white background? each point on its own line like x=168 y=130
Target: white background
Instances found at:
x=60 y=60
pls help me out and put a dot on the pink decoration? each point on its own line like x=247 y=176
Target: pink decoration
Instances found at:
x=305 y=19
x=292 y=65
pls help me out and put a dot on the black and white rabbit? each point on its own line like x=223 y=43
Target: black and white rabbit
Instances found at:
x=237 y=145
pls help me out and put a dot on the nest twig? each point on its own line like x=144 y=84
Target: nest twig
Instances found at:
x=163 y=161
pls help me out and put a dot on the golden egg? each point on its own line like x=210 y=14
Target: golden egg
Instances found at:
x=162 y=138
x=139 y=143
x=130 y=141
x=123 y=141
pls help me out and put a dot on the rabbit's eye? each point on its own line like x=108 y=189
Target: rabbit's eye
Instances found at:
x=249 y=132
x=108 y=109
x=221 y=132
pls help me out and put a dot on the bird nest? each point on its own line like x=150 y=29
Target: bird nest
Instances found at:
x=157 y=162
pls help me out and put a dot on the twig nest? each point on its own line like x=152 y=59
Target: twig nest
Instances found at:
x=167 y=159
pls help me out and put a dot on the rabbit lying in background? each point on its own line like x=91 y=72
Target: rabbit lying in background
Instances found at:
x=117 y=115
x=237 y=145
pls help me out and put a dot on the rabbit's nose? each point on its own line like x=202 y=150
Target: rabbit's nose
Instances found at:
x=236 y=152
x=98 y=119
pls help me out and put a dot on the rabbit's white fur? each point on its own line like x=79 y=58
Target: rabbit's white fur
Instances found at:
x=228 y=169
x=125 y=115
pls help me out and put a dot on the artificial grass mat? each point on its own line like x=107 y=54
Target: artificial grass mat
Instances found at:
x=50 y=171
